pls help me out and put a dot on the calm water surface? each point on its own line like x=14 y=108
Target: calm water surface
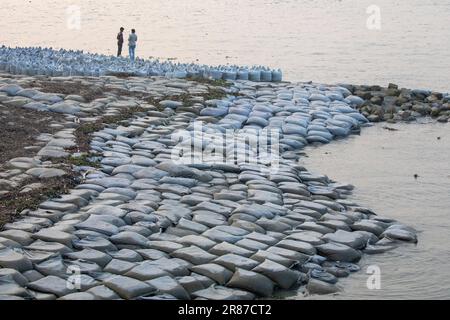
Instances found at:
x=323 y=41
x=381 y=164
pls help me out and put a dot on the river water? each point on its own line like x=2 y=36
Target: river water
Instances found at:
x=382 y=164
x=323 y=41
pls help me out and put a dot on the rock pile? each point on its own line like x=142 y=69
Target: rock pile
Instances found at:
x=393 y=104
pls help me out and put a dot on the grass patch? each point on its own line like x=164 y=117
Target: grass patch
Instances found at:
x=211 y=82
x=15 y=201
x=88 y=92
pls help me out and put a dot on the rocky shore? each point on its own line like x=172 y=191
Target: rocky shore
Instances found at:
x=393 y=104
x=130 y=222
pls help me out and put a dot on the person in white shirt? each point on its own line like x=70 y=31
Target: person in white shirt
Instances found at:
x=132 y=39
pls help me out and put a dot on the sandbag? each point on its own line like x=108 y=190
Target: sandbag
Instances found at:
x=170 y=286
x=223 y=293
x=339 y=252
x=194 y=255
x=233 y=261
x=218 y=273
x=128 y=288
x=252 y=281
x=282 y=276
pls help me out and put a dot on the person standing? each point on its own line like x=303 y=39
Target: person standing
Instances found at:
x=120 y=42
x=132 y=39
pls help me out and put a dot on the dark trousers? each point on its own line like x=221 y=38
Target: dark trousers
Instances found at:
x=119 y=50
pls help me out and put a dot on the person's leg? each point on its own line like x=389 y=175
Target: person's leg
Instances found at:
x=132 y=52
x=119 y=52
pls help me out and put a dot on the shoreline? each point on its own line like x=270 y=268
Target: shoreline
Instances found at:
x=289 y=219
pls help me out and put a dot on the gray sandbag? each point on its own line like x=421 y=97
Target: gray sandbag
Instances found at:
x=252 y=245
x=198 y=241
x=351 y=239
x=251 y=281
x=151 y=254
x=165 y=246
x=170 y=286
x=290 y=254
x=16 y=276
x=146 y=271
x=173 y=266
x=339 y=252
x=128 y=288
x=233 y=261
x=129 y=238
x=396 y=233
x=194 y=255
x=285 y=278
x=100 y=258
x=78 y=296
x=223 y=293
x=51 y=284
x=226 y=248
x=320 y=287
x=366 y=225
x=218 y=273
x=52 y=267
x=8 y=286
x=103 y=293
x=98 y=224
x=14 y=260
x=116 y=266
x=190 y=284
x=262 y=255
x=93 y=242
x=298 y=246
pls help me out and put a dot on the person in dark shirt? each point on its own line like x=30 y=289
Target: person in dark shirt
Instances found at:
x=120 y=42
